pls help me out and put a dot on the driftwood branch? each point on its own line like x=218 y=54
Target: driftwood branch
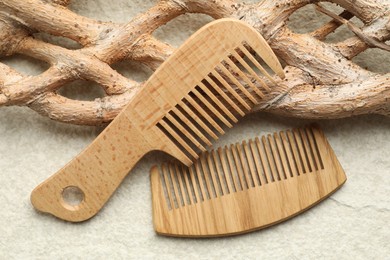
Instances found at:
x=321 y=82
x=370 y=41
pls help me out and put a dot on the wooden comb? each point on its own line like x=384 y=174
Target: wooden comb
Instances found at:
x=178 y=111
x=245 y=187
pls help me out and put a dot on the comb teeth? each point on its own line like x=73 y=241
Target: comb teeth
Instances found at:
x=256 y=163
x=204 y=112
x=245 y=186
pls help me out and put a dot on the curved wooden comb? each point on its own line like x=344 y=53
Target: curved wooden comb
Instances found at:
x=247 y=186
x=177 y=112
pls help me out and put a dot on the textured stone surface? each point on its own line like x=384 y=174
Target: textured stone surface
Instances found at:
x=353 y=223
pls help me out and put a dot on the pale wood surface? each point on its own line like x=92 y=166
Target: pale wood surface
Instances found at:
x=162 y=115
x=246 y=186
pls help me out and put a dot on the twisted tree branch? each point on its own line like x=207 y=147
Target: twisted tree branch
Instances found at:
x=321 y=82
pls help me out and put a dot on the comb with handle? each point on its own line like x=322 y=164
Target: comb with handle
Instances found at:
x=181 y=108
x=245 y=187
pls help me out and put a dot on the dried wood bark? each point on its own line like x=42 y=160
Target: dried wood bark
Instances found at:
x=321 y=82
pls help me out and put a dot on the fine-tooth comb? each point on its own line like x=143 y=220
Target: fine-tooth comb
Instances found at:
x=245 y=187
x=180 y=108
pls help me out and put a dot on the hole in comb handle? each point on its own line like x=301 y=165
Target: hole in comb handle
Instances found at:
x=72 y=197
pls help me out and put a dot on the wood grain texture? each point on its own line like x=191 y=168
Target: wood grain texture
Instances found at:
x=322 y=79
x=245 y=187
x=164 y=116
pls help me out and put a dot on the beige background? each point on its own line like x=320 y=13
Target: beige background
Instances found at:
x=352 y=224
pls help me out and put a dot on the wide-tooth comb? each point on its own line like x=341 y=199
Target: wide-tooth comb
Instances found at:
x=179 y=111
x=246 y=186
